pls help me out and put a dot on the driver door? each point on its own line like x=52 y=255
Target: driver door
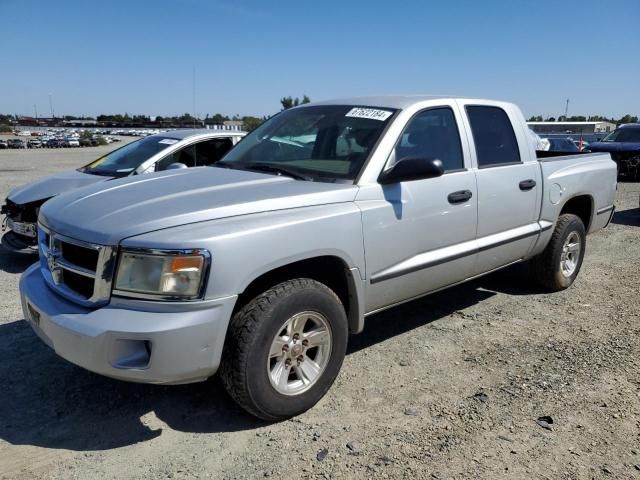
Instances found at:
x=421 y=235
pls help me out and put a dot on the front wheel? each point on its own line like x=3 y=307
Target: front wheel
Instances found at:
x=557 y=267
x=284 y=349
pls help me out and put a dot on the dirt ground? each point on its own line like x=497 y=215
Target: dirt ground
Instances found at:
x=449 y=386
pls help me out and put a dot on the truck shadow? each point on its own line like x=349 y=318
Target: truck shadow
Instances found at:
x=48 y=402
x=417 y=313
x=408 y=316
x=630 y=218
x=15 y=263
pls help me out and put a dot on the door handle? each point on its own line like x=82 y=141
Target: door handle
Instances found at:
x=460 y=196
x=527 y=184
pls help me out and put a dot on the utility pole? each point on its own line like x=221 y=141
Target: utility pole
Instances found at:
x=194 y=96
x=35 y=109
x=566 y=110
x=51 y=107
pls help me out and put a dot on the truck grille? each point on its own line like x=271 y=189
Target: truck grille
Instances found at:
x=81 y=256
x=79 y=271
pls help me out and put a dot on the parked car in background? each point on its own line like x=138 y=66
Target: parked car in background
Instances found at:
x=16 y=143
x=262 y=265
x=562 y=145
x=34 y=143
x=583 y=145
x=624 y=146
x=3 y=144
x=88 y=142
x=183 y=148
x=71 y=142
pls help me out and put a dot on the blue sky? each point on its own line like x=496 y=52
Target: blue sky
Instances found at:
x=139 y=56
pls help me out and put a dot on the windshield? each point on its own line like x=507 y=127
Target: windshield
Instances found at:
x=126 y=159
x=624 y=135
x=319 y=143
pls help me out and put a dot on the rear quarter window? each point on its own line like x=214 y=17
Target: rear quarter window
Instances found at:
x=493 y=135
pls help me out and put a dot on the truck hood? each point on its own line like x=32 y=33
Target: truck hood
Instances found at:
x=614 y=147
x=108 y=213
x=53 y=185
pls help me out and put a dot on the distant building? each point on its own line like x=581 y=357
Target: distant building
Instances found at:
x=79 y=123
x=235 y=125
x=571 y=127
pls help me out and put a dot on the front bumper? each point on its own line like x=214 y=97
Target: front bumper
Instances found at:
x=19 y=244
x=164 y=344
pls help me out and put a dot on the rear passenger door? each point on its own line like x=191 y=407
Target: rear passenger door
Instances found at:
x=508 y=185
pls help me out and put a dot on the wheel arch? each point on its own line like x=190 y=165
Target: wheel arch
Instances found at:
x=330 y=270
x=581 y=206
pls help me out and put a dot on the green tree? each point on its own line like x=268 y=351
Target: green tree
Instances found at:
x=288 y=102
x=628 y=119
x=251 y=123
x=217 y=119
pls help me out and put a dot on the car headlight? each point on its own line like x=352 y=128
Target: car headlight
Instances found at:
x=169 y=274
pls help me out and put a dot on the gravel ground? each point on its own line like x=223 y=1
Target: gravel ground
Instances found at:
x=450 y=386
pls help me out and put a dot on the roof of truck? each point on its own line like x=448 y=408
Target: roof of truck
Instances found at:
x=388 y=101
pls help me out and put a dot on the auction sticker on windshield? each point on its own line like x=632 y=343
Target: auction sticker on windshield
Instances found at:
x=371 y=113
x=168 y=141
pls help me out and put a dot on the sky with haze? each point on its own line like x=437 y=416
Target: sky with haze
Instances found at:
x=139 y=56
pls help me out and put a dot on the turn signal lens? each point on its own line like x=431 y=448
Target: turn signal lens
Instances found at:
x=181 y=264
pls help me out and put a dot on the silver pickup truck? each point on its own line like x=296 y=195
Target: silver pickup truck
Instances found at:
x=260 y=266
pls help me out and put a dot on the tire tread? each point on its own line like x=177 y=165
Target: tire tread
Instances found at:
x=241 y=336
x=544 y=265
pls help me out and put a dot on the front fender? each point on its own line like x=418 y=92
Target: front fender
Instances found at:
x=248 y=246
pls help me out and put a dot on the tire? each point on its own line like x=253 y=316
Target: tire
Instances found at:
x=557 y=267
x=259 y=345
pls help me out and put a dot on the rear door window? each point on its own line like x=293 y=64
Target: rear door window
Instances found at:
x=210 y=151
x=493 y=136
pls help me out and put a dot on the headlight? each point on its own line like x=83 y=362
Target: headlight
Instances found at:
x=178 y=274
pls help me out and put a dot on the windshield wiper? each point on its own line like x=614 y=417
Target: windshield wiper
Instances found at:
x=98 y=172
x=278 y=170
x=223 y=164
x=264 y=167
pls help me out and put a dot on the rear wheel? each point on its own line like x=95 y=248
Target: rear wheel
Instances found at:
x=557 y=267
x=284 y=349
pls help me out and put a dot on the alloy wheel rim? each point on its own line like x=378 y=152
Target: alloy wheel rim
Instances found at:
x=299 y=353
x=570 y=254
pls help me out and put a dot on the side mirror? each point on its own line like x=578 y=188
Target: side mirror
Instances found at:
x=412 y=168
x=175 y=165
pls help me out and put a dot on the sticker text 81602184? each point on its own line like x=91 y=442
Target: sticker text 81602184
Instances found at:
x=370 y=113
